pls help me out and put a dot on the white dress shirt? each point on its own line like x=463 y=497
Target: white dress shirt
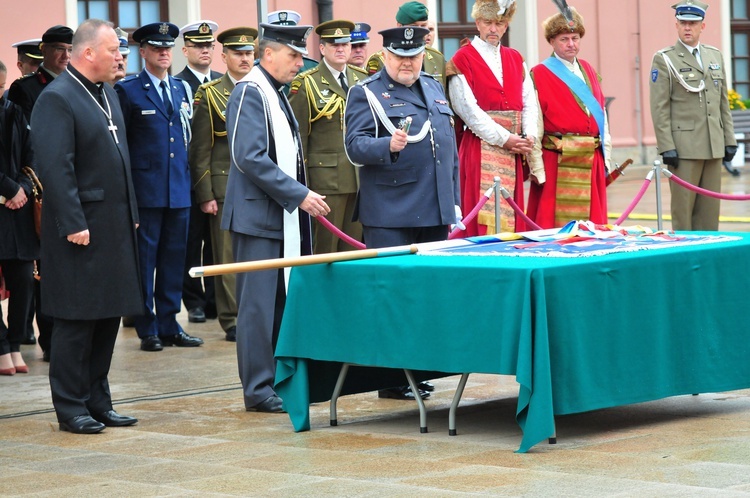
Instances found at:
x=464 y=102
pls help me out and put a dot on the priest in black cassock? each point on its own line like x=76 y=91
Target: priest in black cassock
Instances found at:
x=88 y=228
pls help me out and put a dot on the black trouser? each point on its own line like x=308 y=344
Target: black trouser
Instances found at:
x=43 y=322
x=19 y=280
x=79 y=365
x=198 y=253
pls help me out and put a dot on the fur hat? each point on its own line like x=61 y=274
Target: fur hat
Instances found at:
x=494 y=10
x=557 y=24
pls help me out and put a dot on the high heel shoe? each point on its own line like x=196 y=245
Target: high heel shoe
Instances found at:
x=18 y=363
x=7 y=363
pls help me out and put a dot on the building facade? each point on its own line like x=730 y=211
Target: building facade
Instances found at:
x=621 y=38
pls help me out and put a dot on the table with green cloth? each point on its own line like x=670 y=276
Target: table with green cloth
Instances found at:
x=579 y=333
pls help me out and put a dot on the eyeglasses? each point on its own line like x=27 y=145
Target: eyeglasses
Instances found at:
x=202 y=46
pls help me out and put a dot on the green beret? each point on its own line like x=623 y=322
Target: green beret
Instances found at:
x=411 y=12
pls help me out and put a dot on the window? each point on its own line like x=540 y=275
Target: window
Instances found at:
x=740 y=28
x=455 y=24
x=128 y=15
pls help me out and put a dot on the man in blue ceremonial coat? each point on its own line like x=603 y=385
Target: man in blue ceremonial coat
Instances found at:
x=399 y=130
x=157 y=112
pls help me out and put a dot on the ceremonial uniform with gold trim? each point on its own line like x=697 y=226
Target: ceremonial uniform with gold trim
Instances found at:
x=318 y=102
x=433 y=64
x=209 y=168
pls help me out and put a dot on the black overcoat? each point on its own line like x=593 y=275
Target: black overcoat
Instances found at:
x=87 y=185
x=18 y=239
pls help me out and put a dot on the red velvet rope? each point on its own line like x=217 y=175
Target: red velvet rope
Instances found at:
x=338 y=233
x=469 y=217
x=635 y=201
x=702 y=191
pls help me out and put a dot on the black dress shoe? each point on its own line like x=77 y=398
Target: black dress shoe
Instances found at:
x=29 y=339
x=82 y=424
x=151 y=343
x=181 y=340
x=114 y=419
x=426 y=386
x=232 y=334
x=403 y=392
x=45 y=356
x=196 y=315
x=272 y=404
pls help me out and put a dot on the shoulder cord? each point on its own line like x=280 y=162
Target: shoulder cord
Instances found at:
x=266 y=111
x=378 y=111
x=673 y=70
x=335 y=103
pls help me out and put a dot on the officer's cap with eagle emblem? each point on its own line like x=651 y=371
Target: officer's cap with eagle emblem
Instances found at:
x=690 y=10
x=157 y=34
x=404 y=41
x=359 y=35
x=284 y=18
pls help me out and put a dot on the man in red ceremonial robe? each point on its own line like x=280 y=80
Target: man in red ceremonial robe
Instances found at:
x=571 y=141
x=492 y=93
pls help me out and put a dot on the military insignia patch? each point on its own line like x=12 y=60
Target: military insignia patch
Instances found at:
x=164 y=28
x=654 y=75
x=295 y=86
x=714 y=66
x=386 y=95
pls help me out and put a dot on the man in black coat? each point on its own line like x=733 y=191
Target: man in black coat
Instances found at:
x=88 y=228
x=199 y=51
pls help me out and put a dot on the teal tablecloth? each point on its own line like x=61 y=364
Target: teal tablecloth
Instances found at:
x=578 y=333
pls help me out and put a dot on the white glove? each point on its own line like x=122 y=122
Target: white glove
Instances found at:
x=459 y=217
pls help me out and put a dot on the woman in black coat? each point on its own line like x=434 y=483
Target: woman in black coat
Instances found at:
x=19 y=245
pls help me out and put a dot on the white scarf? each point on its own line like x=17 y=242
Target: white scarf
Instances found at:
x=286 y=147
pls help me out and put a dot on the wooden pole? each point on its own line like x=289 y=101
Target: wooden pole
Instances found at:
x=270 y=264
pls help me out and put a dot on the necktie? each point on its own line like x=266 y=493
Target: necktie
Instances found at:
x=165 y=97
x=342 y=82
x=697 y=56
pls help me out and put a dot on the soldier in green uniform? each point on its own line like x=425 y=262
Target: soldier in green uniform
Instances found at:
x=692 y=123
x=318 y=98
x=209 y=159
x=414 y=14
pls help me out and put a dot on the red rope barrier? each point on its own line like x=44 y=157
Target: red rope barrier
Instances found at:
x=702 y=191
x=636 y=199
x=519 y=212
x=338 y=233
x=472 y=214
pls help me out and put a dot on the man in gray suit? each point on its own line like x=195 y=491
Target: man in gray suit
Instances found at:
x=692 y=123
x=266 y=186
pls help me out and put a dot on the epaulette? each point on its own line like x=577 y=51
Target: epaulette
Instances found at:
x=211 y=83
x=710 y=47
x=372 y=78
x=422 y=73
x=25 y=76
x=199 y=95
x=308 y=71
x=357 y=69
x=665 y=50
x=129 y=78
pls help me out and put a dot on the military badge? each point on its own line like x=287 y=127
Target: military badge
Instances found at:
x=324 y=92
x=386 y=95
x=282 y=16
x=654 y=75
x=164 y=28
x=714 y=66
x=204 y=29
x=408 y=33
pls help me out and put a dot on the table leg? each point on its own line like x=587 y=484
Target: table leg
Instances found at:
x=337 y=392
x=420 y=402
x=454 y=404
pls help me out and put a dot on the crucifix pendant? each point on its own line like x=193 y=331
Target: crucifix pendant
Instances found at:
x=113 y=128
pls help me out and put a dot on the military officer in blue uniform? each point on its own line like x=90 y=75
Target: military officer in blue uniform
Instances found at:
x=360 y=40
x=157 y=112
x=399 y=130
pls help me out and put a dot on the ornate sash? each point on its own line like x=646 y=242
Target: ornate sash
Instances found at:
x=573 y=195
x=496 y=161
